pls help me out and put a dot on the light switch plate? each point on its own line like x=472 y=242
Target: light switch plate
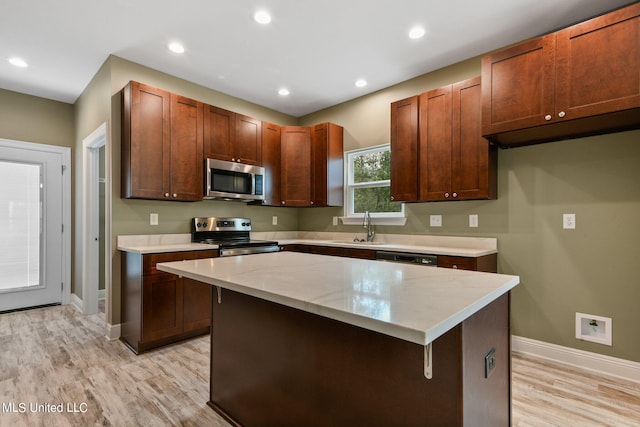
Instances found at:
x=274 y=220
x=473 y=220
x=153 y=219
x=435 y=220
x=335 y=220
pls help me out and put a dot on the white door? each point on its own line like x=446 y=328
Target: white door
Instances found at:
x=31 y=218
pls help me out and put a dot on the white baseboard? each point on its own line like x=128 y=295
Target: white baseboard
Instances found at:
x=113 y=332
x=607 y=365
x=77 y=303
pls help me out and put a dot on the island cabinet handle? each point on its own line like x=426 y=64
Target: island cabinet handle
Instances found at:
x=428 y=362
x=547 y=117
x=561 y=114
x=219 y=291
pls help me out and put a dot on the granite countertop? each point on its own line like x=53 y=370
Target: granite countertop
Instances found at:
x=423 y=244
x=410 y=302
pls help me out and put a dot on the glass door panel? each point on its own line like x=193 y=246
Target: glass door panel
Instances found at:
x=21 y=225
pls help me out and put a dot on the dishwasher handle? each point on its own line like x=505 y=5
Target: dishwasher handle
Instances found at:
x=410 y=258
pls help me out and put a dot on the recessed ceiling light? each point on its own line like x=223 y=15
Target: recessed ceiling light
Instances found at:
x=175 y=47
x=262 y=17
x=18 y=62
x=416 y=33
x=361 y=83
x=284 y=92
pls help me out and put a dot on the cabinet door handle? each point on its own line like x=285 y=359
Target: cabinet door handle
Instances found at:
x=455 y=194
x=561 y=114
x=283 y=202
x=391 y=197
x=233 y=159
x=547 y=117
x=166 y=194
x=175 y=195
x=446 y=195
x=312 y=202
x=455 y=266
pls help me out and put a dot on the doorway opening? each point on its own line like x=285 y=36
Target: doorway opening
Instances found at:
x=96 y=246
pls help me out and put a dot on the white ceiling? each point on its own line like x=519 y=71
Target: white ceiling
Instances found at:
x=316 y=49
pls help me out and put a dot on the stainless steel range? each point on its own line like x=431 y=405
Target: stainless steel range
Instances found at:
x=232 y=235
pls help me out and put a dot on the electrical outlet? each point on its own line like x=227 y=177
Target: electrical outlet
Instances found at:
x=153 y=219
x=435 y=220
x=335 y=220
x=274 y=220
x=489 y=362
x=473 y=220
x=569 y=221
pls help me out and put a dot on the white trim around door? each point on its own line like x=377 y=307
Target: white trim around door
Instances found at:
x=90 y=241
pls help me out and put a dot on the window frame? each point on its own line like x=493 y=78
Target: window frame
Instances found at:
x=350 y=217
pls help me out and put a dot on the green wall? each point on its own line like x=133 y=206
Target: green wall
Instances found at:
x=91 y=110
x=591 y=269
x=19 y=114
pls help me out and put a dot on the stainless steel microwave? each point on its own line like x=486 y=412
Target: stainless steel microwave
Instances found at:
x=233 y=181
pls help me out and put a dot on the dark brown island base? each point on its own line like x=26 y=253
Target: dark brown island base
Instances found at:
x=350 y=354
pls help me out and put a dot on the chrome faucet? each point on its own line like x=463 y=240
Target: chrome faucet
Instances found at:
x=366 y=223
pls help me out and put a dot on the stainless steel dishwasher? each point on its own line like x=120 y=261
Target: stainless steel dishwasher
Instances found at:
x=408 y=258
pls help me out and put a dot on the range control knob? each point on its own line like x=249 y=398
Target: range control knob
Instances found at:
x=205 y=224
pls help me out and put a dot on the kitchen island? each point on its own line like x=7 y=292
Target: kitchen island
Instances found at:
x=301 y=339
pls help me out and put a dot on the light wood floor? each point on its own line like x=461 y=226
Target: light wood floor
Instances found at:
x=57 y=356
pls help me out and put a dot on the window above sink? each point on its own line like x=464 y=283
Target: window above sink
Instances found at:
x=367 y=187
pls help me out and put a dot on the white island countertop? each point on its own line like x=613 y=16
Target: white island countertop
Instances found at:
x=410 y=302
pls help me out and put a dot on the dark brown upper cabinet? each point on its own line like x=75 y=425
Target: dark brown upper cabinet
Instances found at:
x=296 y=166
x=327 y=165
x=312 y=165
x=162 y=145
x=232 y=137
x=271 y=160
x=580 y=81
x=437 y=151
x=404 y=150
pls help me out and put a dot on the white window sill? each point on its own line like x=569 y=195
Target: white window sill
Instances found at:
x=389 y=220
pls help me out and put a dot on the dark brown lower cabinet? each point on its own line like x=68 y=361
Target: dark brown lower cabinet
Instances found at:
x=273 y=365
x=160 y=308
x=331 y=250
x=487 y=263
